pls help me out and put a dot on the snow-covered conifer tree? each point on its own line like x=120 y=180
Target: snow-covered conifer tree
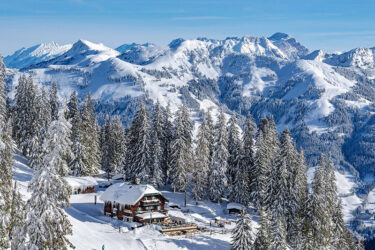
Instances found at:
x=234 y=154
x=242 y=237
x=157 y=176
x=90 y=136
x=182 y=157
x=262 y=240
x=167 y=143
x=248 y=155
x=219 y=162
x=77 y=164
x=46 y=224
x=202 y=162
x=139 y=147
x=54 y=102
x=117 y=146
x=16 y=218
x=105 y=146
x=278 y=235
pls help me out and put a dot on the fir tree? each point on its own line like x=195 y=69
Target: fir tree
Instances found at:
x=210 y=133
x=234 y=154
x=3 y=108
x=278 y=235
x=242 y=238
x=46 y=224
x=139 y=152
x=6 y=154
x=88 y=131
x=321 y=220
x=25 y=113
x=117 y=145
x=105 y=146
x=167 y=143
x=53 y=100
x=182 y=157
x=157 y=175
x=16 y=219
x=248 y=155
x=219 y=162
x=202 y=162
x=263 y=241
x=77 y=164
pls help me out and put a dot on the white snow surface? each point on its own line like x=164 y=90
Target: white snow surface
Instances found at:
x=81 y=182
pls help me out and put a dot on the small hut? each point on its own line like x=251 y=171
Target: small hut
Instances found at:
x=234 y=208
x=81 y=185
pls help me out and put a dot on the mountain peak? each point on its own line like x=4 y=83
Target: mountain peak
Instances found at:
x=279 y=36
x=26 y=57
x=176 y=43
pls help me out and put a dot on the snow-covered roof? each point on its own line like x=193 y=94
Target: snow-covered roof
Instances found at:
x=118 y=177
x=234 y=205
x=81 y=182
x=128 y=194
x=154 y=215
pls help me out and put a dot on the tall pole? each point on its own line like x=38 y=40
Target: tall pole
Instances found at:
x=185 y=197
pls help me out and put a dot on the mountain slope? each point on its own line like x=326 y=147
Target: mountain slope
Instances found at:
x=26 y=57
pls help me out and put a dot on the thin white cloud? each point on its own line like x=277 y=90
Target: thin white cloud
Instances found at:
x=344 y=33
x=193 y=18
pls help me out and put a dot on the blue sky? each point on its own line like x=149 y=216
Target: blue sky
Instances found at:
x=331 y=25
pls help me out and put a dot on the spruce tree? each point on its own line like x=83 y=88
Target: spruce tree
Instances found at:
x=242 y=238
x=248 y=155
x=77 y=164
x=181 y=157
x=157 y=175
x=278 y=235
x=16 y=219
x=6 y=160
x=88 y=131
x=105 y=146
x=25 y=113
x=320 y=217
x=219 y=162
x=167 y=143
x=139 y=147
x=53 y=100
x=202 y=162
x=210 y=133
x=234 y=154
x=46 y=224
x=262 y=240
x=117 y=145
x=3 y=108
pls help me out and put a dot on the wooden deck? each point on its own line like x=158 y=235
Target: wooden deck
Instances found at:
x=179 y=229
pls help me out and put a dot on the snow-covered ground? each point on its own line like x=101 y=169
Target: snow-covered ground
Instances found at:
x=91 y=229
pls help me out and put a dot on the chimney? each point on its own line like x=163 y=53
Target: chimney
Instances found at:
x=137 y=181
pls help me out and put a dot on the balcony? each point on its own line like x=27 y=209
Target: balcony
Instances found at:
x=153 y=202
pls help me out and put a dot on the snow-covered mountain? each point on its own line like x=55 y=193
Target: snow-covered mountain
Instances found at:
x=27 y=56
x=327 y=100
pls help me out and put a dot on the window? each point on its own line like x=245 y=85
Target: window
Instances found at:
x=139 y=209
x=158 y=208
